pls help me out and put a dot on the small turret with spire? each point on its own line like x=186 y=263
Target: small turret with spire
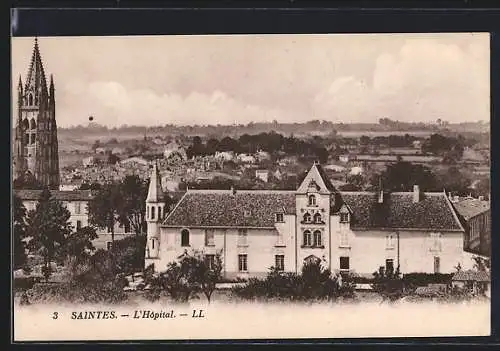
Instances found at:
x=155 y=212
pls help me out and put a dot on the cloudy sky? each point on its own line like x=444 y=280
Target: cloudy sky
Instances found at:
x=186 y=80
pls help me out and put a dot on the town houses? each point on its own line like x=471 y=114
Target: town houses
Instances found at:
x=355 y=232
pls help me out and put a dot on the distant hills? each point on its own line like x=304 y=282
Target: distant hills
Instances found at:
x=314 y=127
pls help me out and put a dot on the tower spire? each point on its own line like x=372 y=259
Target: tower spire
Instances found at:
x=36 y=73
x=155 y=191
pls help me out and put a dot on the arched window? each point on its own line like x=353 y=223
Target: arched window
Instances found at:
x=307 y=218
x=153 y=212
x=312 y=200
x=33 y=124
x=33 y=138
x=185 y=237
x=317 y=238
x=25 y=124
x=317 y=218
x=30 y=100
x=307 y=238
x=36 y=100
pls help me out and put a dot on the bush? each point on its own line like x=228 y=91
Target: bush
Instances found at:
x=314 y=283
x=73 y=292
x=413 y=280
x=25 y=283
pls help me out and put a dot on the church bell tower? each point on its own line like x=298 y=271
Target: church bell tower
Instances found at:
x=36 y=145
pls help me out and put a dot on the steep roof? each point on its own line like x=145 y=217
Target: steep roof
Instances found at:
x=256 y=208
x=469 y=208
x=36 y=73
x=155 y=191
x=398 y=211
x=73 y=195
x=225 y=208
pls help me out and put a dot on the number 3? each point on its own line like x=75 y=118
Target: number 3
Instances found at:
x=55 y=315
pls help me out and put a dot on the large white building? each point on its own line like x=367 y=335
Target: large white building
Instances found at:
x=348 y=231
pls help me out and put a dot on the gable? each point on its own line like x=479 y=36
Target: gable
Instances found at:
x=316 y=180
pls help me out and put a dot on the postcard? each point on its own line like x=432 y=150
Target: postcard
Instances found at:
x=195 y=187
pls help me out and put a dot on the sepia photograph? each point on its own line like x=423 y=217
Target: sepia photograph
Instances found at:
x=291 y=186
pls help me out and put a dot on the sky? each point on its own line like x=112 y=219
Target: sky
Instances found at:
x=227 y=79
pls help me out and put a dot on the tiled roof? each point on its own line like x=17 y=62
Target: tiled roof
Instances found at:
x=250 y=208
x=472 y=276
x=223 y=208
x=469 y=208
x=73 y=195
x=398 y=211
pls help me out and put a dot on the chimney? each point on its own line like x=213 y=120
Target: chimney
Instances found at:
x=416 y=194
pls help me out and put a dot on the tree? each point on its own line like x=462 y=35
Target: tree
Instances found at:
x=402 y=176
x=104 y=209
x=113 y=159
x=133 y=196
x=481 y=264
x=79 y=244
x=19 y=232
x=388 y=283
x=207 y=272
x=27 y=181
x=48 y=227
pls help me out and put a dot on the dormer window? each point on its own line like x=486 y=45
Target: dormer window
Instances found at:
x=344 y=218
x=279 y=217
x=307 y=218
x=317 y=218
x=312 y=200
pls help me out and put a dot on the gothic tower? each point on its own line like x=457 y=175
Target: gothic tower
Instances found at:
x=36 y=145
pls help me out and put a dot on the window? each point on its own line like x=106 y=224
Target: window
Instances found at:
x=389 y=241
x=109 y=244
x=159 y=212
x=242 y=263
x=210 y=260
x=307 y=238
x=344 y=263
x=247 y=213
x=147 y=211
x=344 y=239
x=279 y=217
x=30 y=99
x=307 y=218
x=242 y=237
x=344 y=217
x=279 y=262
x=317 y=238
x=153 y=243
x=78 y=209
x=437 y=264
x=127 y=227
x=78 y=225
x=109 y=229
x=317 y=218
x=27 y=137
x=312 y=200
x=436 y=241
x=33 y=138
x=184 y=237
x=209 y=237
x=152 y=212
x=389 y=265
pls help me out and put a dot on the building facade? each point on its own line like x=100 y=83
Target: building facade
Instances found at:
x=76 y=202
x=475 y=215
x=358 y=232
x=36 y=146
